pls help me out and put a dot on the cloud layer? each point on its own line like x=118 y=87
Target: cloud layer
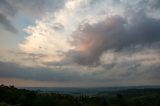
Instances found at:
x=108 y=42
x=140 y=68
x=115 y=33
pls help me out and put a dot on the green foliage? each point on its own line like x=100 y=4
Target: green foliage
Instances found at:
x=4 y=104
x=11 y=96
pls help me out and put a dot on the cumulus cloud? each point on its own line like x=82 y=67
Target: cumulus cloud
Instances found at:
x=111 y=25
x=115 y=33
x=64 y=20
x=108 y=42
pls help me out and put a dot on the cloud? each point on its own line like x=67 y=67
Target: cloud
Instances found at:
x=41 y=73
x=33 y=8
x=128 y=70
x=88 y=42
x=7 y=9
x=7 y=24
x=25 y=59
x=64 y=20
x=155 y=4
x=105 y=25
x=7 y=12
x=11 y=11
x=115 y=68
x=114 y=33
x=93 y=40
x=36 y=8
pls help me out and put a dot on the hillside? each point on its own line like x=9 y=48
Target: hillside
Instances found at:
x=11 y=96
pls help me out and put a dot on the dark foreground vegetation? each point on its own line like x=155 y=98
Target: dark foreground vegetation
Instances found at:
x=11 y=96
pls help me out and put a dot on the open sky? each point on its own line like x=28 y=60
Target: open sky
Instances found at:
x=79 y=43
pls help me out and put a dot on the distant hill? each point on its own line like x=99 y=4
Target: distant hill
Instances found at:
x=11 y=96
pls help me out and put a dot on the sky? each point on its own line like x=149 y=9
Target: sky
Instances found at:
x=79 y=43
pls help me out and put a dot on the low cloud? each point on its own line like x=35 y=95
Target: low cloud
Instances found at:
x=12 y=70
x=122 y=69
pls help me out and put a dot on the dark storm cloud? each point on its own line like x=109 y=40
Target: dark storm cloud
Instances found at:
x=114 y=33
x=12 y=70
x=7 y=24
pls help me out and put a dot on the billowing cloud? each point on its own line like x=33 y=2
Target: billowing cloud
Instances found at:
x=92 y=32
x=114 y=33
x=88 y=42
x=64 y=20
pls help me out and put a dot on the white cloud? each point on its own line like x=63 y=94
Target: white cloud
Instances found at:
x=44 y=38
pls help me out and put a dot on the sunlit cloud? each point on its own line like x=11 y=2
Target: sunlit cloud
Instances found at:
x=52 y=33
x=108 y=42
